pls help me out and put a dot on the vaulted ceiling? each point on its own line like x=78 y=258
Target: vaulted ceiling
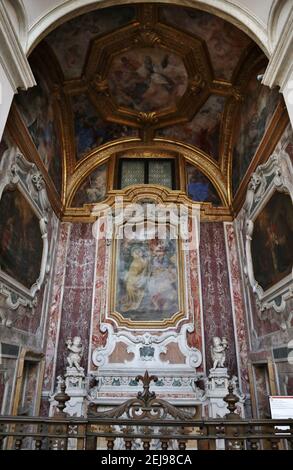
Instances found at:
x=149 y=76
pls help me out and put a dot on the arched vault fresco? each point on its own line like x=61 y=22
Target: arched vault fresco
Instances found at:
x=147 y=74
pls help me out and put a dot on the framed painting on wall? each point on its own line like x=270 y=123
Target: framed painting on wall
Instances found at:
x=269 y=232
x=147 y=278
x=24 y=210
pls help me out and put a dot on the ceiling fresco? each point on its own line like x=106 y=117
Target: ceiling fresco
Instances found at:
x=36 y=107
x=93 y=189
x=71 y=41
x=114 y=79
x=203 y=131
x=224 y=41
x=147 y=79
x=258 y=106
x=90 y=129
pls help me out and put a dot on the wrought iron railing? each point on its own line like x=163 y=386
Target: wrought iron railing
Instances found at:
x=145 y=422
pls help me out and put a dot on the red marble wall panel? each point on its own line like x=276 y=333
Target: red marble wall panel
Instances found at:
x=194 y=339
x=217 y=306
x=102 y=274
x=78 y=288
x=56 y=305
x=238 y=305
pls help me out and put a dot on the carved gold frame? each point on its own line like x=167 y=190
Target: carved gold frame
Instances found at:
x=162 y=324
x=17 y=173
x=163 y=148
x=272 y=177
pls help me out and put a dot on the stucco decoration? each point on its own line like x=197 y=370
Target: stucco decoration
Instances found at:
x=23 y=177
x=267 y=218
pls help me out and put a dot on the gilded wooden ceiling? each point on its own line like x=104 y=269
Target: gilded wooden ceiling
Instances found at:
x=148 y=77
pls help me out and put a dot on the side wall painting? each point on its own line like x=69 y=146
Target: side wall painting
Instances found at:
x=199 y=188
x=272 y=241
x=255 y=115
x=37 y=111
x=93 y=189
x=21 y=244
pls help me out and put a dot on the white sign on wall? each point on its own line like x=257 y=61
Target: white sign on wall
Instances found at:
x=281 y=407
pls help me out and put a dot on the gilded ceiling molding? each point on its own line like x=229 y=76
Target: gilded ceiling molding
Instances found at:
x=189 y=49
x=226 y=141
x=156 y=194
x=266 y=147
x=191 y=154
x=69 y=146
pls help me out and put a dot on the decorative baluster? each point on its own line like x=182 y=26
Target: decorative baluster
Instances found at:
x=128 y=443
x=164 y=444
x=110 y=439
x=165 y=440
x=146 y=441
x=61 y=398
x=38 y=444
x=254 y=445
x=18 y=443
x=274 y=444
x=146 y=444
x=181 y=444
x=127 y=431
x=231 y=399
x=110 y=443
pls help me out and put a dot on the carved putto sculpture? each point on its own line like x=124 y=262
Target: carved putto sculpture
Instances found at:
x=218 y=351
x=76 y=349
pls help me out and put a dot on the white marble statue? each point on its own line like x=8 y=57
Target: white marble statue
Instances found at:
x=218 y=351
x=76 y=349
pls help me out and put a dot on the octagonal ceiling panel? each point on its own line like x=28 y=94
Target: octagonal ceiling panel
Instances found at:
x=147 y=79
x=137 y=73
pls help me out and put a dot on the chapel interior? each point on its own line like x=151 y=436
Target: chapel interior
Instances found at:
x=146 y=216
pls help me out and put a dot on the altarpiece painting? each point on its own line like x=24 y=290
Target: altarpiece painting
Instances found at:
x=147 y=276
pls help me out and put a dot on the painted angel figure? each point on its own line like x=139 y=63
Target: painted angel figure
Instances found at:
x=218 y=351
x=76 y=349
